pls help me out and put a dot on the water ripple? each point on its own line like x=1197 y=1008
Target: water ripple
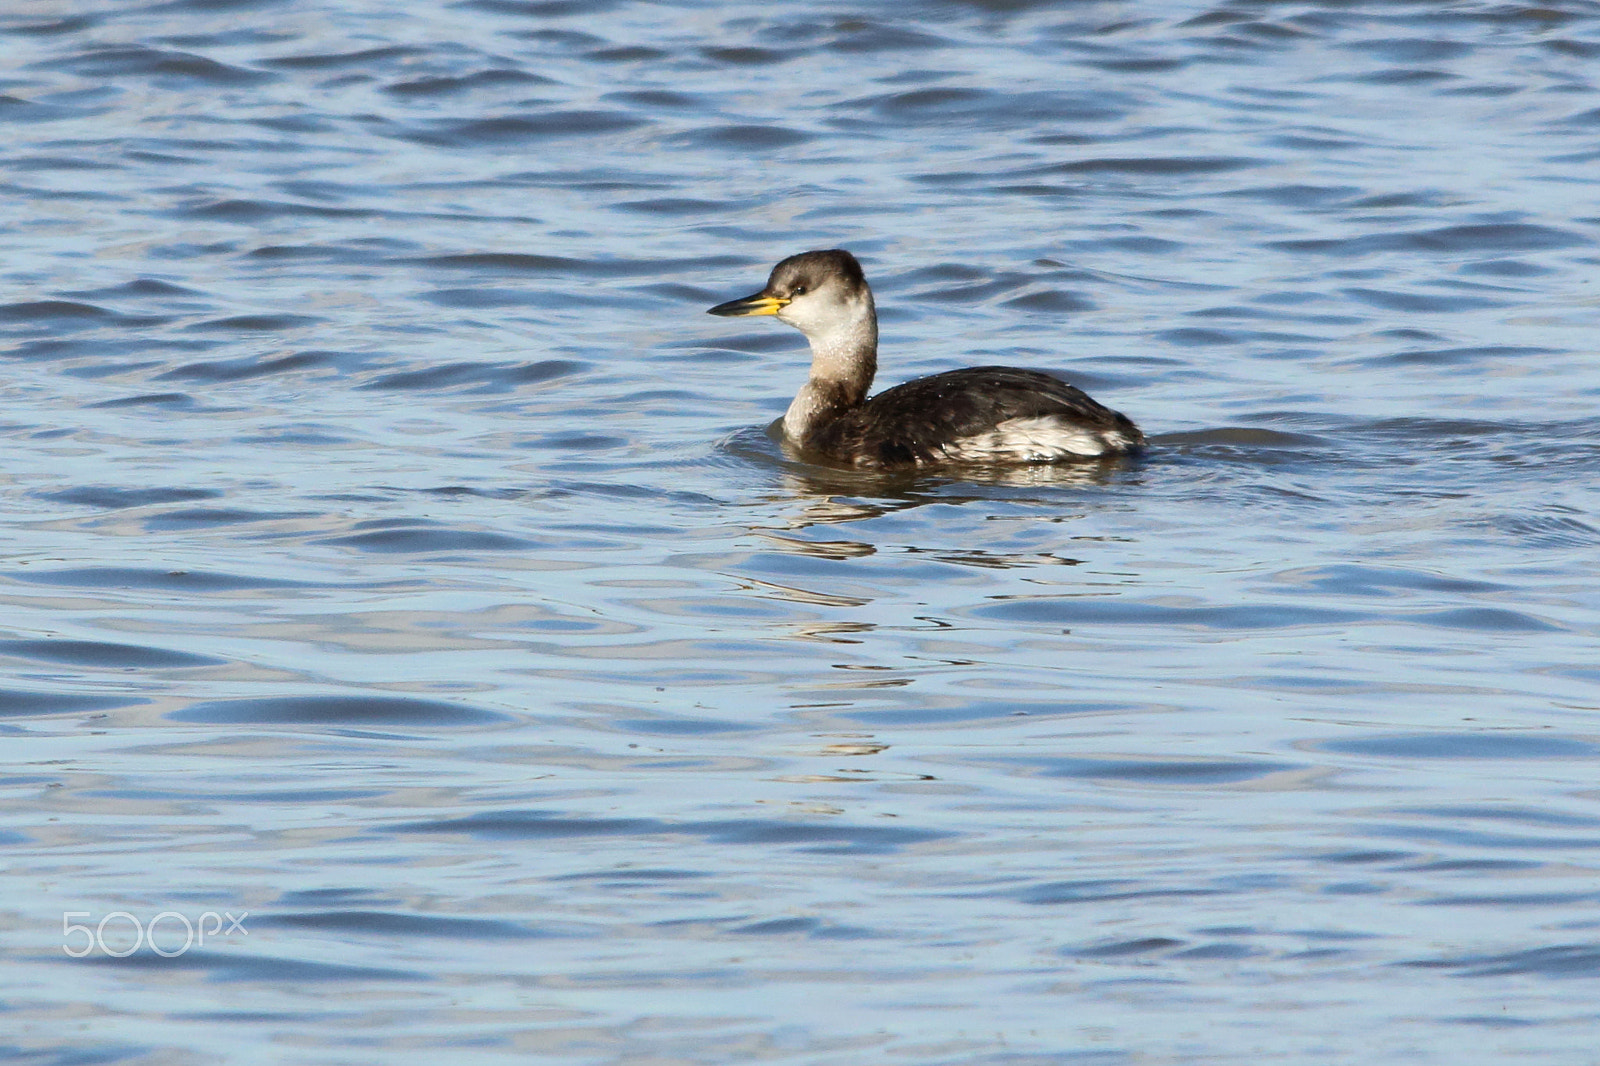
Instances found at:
x=337 y=710
x=397 y=552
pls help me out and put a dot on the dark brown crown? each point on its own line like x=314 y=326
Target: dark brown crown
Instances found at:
x=813 y=270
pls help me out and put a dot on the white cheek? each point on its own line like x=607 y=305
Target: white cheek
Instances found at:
x=800 y=315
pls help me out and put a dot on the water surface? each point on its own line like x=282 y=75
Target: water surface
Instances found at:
x=396 y=553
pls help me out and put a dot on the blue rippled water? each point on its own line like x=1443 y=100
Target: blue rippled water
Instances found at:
x=415 y=646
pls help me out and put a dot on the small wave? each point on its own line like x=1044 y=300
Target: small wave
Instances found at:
x=340 y=60
x=159 y=63
x=138 y=288
x=1350 y=579
x=416 y=540
x=831 y=837
x=173 y=400
x=856 y=35
x=676 y=206
x=23 y=703
x=498 y=376
x=1496 y=239
x=399 y=923
x=56 y=27
x=744 y=137
x=365 y=250
x=1409 y=49
x=1559 y=960
x=444 y=86
x=1418 y=302
x=368 y=711
x=265 y=970
x=94 y=653
x=1057 y=893
x=1547 y=529
x=1158 y=772
x=990 y=109
x=1489 y=619
x=108 y=497
x=748 y=56
x=629 y=53
x=52 y=310
x=256 y=323
x=521 y=263
x=1480 y=745
x=1052 y=301
x=513 y=129
x=1117 y=949
x=1076 y=611
x=255 y=211
x=16 y=109
x=114 y=577
x=247 y=367
x=1249 y=444
x=1458 y=356
x=1154 y=165
x=544 y=9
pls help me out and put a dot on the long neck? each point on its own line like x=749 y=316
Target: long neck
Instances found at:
x=844 y=359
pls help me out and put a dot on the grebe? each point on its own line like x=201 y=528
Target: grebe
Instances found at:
x=985 y=414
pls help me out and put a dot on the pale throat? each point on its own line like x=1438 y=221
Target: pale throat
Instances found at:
x=844 y=360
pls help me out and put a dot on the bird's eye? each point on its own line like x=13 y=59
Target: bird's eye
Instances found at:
x=798 y=290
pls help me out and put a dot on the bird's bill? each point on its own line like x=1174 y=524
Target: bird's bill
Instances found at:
x=759 y=304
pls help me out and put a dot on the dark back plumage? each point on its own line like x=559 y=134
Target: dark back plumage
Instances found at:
x=909 y=424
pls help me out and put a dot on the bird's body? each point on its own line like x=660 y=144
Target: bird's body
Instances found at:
x=979 y=415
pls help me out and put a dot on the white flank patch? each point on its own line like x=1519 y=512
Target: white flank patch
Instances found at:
x=1035 y=440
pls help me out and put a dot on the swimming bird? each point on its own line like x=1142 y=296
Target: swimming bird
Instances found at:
x=979 y=415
